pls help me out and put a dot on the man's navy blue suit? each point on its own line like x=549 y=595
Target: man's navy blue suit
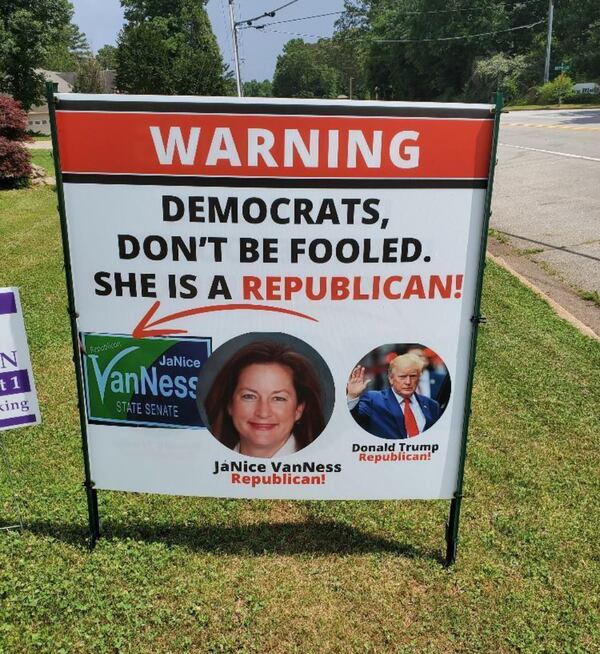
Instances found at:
x=380 y=414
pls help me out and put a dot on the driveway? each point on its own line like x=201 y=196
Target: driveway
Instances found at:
x=40 y=145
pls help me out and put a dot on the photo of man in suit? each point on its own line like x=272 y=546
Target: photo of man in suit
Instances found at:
x=396 y=412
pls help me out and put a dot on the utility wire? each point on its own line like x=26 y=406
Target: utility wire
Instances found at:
x=443 y=11
x=459 y=9
x=337 y=13
x=445 y=38
x=240 y=42
x=308 y=36
x=466 y=36
x=229 y=41
x=267 y=14
x=291 y=20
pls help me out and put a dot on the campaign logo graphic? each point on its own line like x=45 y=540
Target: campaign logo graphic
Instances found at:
x=143 y=382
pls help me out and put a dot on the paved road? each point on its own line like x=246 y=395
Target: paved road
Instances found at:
x=547 y=190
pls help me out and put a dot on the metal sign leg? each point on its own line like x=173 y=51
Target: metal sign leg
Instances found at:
x=452 y=530
x=93 y=514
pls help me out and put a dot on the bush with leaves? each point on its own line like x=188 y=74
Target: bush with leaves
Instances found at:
x=585 y=98
x=15 y=160
x=497 y=73
x=302 y=71
x=89 y=77
x=556 y=91
x=256 y=89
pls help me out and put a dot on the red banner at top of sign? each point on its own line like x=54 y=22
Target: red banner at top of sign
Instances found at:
x=277 y=145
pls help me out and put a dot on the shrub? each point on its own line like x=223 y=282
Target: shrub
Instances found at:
x=15 y=160
x=558 y=90
x=533 y=95
x=496 y=73
x=13 y=120
x=536 y=96
x=15 y=164
x=585 y=98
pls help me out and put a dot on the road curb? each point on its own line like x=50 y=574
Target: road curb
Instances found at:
x=560 y=311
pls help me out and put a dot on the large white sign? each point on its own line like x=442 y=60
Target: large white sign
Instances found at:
x=18 y=399
x=274 y=298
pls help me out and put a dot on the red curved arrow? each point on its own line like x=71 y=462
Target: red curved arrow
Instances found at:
x=145 y=326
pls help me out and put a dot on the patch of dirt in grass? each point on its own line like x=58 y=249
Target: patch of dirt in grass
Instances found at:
x=585 y=311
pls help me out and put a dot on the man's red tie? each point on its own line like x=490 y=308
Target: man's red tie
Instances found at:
x=410 y=422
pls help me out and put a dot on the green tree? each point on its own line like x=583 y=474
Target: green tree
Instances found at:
x=69 y=48
x=577 y=37
x=436 y=49
x=346 y=53
x=256 y=89
x=587 y=59
x=498 y=73
x=168 y=46
x=89 y=77
x=28 y=30
x=107 y=57
x=414 y=51
x=60 y=59
x=303 y=72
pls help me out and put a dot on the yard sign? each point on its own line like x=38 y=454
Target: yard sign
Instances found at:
x=348 y=232
x=18 y=399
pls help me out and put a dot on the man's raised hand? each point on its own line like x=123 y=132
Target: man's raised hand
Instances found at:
x=357 y=383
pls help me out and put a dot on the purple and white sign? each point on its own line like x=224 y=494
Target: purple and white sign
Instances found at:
x=18 y=399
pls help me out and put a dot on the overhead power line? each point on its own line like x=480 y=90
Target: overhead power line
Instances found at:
x=444 y=11
x=262 y=28
x=291 y=20
x=241 y=45
x=235 y=28
x=465 y=36
x=338 y=13
x=443 y=38
x=267 y=14
x=461 y=9
x=229 y=41
x=248 y=23
x=236 y=50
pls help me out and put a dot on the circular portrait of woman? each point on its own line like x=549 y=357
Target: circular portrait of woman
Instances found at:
x=266 y=394
x=398 y=390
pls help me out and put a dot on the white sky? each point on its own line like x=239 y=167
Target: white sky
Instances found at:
x=101 y=21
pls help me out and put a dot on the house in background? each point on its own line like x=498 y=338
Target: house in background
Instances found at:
x=38 y=118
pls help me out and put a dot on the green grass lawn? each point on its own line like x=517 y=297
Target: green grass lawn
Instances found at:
x=537 y=107
x=38 y=136
x=233 y=576
x=43 y=158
